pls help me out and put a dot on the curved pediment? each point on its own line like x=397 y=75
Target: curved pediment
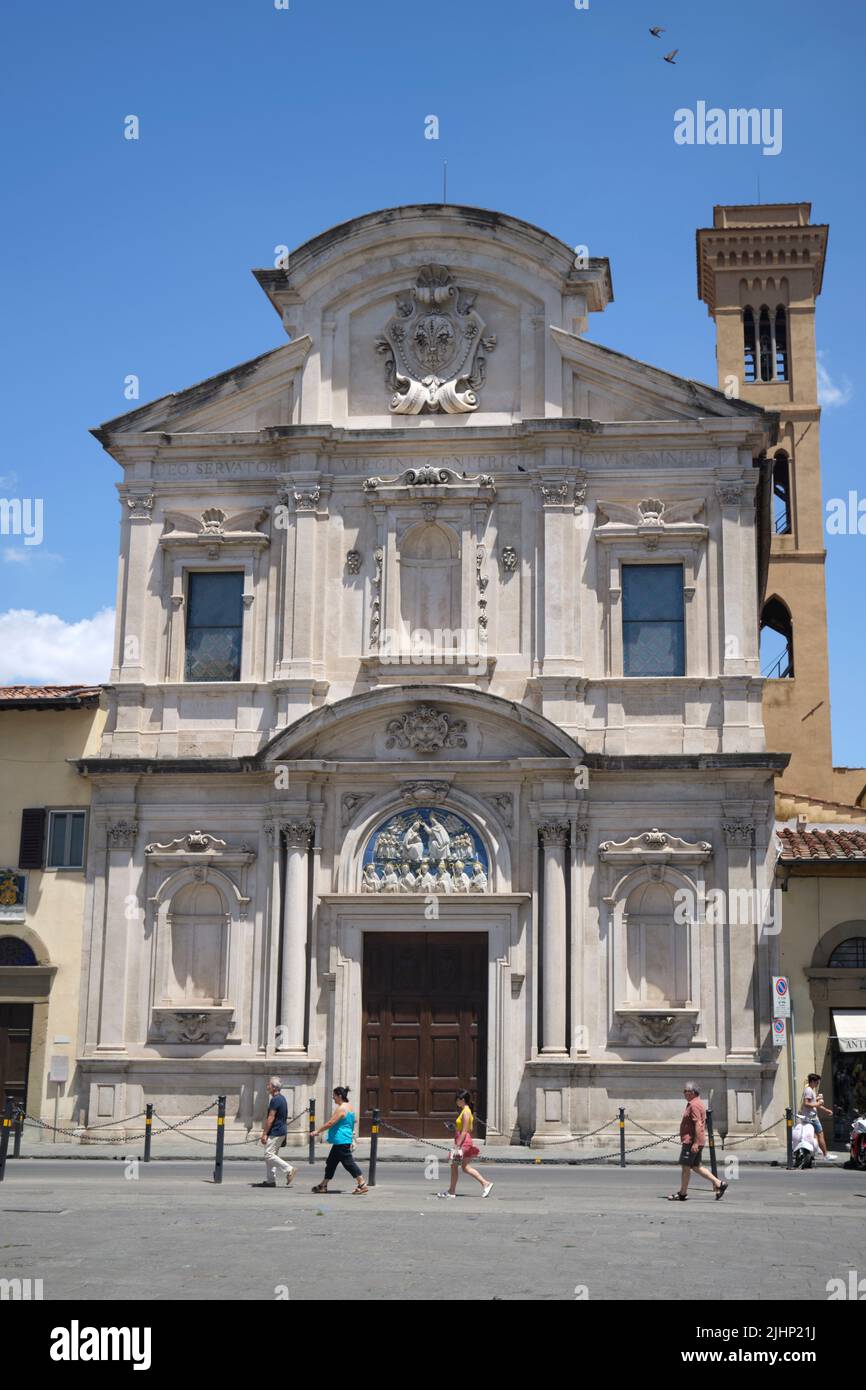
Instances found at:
x=422 y=724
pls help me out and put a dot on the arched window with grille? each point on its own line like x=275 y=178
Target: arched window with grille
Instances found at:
x=749 y=351
x=781 y=337
x=849 y=955
x=782 y=494
x=765 y=344
x=777 y=641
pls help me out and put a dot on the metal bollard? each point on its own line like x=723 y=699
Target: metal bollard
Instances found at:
x=621 y=1113
x=148 y=1129
x=714 y=1167
x=789 y=1137
x=221 y=1138
x=311 y=1156
x=374 y=1149
x=18 y=1130
x=5 y=1131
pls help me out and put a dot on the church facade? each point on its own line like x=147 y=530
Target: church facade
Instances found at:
x=435 y=754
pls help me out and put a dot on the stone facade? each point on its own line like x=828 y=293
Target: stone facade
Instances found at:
x=432 y=492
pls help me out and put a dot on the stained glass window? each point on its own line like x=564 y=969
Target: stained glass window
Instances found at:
x=653 y=625
x=213 y=626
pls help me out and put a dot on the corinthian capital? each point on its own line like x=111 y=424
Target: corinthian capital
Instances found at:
x=739 y=832
x=553 y=833
x=298 y=834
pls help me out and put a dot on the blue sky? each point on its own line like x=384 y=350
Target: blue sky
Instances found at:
x=262 y=126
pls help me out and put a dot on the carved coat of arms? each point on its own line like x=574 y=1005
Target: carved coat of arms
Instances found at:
x=434 y=347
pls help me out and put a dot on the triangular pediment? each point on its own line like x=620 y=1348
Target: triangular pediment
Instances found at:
x=610 y=386
x=251 y=396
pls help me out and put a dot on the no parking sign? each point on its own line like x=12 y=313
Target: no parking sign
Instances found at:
x=780 y=1032
x=781 y=997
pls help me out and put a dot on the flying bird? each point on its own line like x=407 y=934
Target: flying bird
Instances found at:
x=670 y=57
x=656 y=31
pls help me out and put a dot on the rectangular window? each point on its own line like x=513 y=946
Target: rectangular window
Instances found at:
x=653 y=620
x=213 y=626
x=66 y=839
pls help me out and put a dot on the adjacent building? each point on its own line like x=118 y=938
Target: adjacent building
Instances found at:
x=44 y=834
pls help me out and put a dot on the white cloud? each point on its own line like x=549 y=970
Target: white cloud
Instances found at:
x=829 y=393
x=34 y=556
x=42 y=649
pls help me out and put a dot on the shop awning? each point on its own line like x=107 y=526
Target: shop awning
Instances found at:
x=850 y=1029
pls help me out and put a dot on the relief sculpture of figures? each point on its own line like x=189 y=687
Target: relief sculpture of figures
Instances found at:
x=428 y=851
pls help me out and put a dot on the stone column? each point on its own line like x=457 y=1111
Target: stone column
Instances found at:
x=741 y=941
x=293 y=982
x=554 y=838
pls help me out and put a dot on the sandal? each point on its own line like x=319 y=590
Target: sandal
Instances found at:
x=361 y=1189
x=677 y=1197
x=320 y=1188
x=721 y=1191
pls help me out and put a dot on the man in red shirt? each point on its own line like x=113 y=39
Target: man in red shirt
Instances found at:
x=693 y=1132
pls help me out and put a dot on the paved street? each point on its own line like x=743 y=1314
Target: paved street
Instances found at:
x=89 y=1232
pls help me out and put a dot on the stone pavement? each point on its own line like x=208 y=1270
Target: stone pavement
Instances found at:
x=94 y=1231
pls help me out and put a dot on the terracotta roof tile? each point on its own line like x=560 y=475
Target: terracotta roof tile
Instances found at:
x=839 y=845
x=47 y=696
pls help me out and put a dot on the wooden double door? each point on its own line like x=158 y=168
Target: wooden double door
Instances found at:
x=16 y=1027
x=424 y=1028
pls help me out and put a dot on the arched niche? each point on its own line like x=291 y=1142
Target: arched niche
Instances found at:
x=198 y=916
x=429 y=574
x=655 y=916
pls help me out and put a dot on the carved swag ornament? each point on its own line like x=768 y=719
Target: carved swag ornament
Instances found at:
x=431 y=347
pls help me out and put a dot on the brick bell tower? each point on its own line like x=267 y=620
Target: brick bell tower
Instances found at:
x=760 y=269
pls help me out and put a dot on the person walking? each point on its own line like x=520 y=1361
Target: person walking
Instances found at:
x=341 y=1130
x=465 y=1148
x=812 y=1102
x=693 y=1132
x=273 y=1136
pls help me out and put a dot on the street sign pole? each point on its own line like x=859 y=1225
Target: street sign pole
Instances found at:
x=791 y=1066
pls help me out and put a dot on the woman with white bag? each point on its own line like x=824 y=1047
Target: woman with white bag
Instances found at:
x=465 y=1148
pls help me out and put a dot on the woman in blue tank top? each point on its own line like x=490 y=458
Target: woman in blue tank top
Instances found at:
x=341 y=1129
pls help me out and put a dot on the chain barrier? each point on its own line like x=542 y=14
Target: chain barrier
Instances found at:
x=743 y=1138
x=251 y=1138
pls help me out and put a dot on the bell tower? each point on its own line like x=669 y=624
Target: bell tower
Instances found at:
x=760 y=269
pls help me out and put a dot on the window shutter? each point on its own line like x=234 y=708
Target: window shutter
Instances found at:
x=31 y=854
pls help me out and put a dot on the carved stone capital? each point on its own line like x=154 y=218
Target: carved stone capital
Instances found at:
x=554 y=834
x=140 y=506
x=121 y=834
x=730 y=494
x=297 y=834
x=739 y=832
